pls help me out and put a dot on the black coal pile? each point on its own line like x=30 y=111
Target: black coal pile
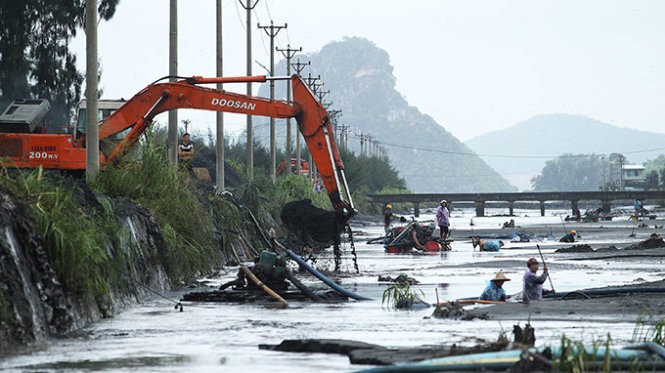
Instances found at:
x=652 y=242
x=583 y=248
x=206 y=157
x=312 y=225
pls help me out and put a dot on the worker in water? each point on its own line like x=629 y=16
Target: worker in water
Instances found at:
x=419 y=233
x=570 y=237
x=388 y=217
x=509 y=224
x=489 y=245
x=494 y=290
x=532 y=288
x=639 y=208
x=186 y=150
x=443 y=219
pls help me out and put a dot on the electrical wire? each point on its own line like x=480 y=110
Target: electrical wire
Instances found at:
x=442 y=151
x=263 y=34
x=240 y=20
x=268 y=10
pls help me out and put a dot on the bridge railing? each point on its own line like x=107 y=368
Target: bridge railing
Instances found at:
x=480 y=199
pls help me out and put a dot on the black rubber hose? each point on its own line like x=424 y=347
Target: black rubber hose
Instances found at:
x=304 y=289
x=581 y=294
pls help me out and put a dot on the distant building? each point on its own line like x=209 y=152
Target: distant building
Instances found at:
x=633 y=177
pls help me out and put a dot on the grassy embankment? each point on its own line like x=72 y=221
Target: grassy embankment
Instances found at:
x=196 y=227
x=75 y=235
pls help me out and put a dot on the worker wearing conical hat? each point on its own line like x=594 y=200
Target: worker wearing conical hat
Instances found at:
x=494 y=290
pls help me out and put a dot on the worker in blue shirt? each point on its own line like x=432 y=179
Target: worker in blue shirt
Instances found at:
x=490 y=245
x=494 y=290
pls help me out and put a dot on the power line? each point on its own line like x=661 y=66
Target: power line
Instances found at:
x=506 y=155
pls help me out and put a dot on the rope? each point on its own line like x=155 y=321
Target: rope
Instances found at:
x=178 y=305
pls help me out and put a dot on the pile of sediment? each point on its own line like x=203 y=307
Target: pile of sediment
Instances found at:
x=653 y=242
x=367 y=353
x=313 y=225
x=583 y=248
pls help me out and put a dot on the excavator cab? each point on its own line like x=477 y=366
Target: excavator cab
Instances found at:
x=105 y=108
x=24 y=116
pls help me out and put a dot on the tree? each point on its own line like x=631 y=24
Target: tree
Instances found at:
x=35 y=59
x=570 y=173
x=658 y=166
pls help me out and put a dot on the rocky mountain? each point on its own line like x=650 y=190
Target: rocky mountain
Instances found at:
x=361 y=83
x=528 y=144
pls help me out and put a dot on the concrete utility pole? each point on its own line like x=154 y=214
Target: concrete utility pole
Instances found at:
x=334 y=114
x=298 y=67
x=316 y=87
x=343 y=135
x=322 y=95
x=172 y=143
x=91 y=92
x=310 y=80
x=272 y=31
x=362 y=145
x=313 y=85
x=220 y=115
x=288 y=53
x=249 y=5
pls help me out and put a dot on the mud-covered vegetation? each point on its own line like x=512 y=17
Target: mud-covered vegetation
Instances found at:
x=168 y=192
x=74 y=233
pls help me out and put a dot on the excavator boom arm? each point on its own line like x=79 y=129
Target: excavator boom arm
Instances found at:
x=311 y=116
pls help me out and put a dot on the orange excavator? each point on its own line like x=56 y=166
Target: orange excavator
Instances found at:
x=282 y=167
x=21 y=147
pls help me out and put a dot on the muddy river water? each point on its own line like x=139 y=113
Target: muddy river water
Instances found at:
x=207 y=337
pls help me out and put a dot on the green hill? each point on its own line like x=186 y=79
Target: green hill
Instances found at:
x=556 y=134
x=361 y=83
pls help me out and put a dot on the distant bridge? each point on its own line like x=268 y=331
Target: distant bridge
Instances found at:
x=479 y=199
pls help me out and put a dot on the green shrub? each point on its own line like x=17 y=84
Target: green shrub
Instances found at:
x=399 y=295
x=293 y=187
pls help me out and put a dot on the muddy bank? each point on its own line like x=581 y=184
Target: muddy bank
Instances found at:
x=36 y=304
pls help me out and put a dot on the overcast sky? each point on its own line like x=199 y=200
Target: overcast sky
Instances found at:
x=475 y=66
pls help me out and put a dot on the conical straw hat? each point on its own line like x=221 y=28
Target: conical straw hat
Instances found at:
x=500 y=277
